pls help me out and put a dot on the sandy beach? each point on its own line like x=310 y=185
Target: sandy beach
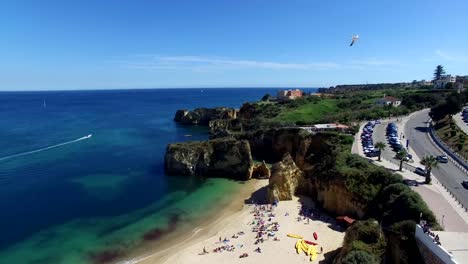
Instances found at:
x=237 y=227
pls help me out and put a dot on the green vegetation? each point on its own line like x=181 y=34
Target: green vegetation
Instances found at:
x=363 y=179
x=429 y=162
x=438 y=72
x=401 y=155
x=340 y=107
x=308 y=112
x=449 y=107
x=363 y=243
x=359 y=257
x=392 y=207
x=452 y=136
x=381 y=147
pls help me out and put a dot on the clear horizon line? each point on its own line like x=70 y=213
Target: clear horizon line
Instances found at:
x=166 y=88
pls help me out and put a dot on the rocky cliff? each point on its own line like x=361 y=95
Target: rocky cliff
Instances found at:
x=202 y=116
x=224 y=125
x=214 y=158
x=336 y=198
x=261 y=171
x=284 y=180
x=309 y=168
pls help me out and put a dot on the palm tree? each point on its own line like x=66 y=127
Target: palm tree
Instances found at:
x=401 y=155
x=429 y=162
x=381 y=146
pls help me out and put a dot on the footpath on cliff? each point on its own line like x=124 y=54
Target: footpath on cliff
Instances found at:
x=450 y=215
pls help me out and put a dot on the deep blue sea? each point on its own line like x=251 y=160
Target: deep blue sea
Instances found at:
x=66 y=198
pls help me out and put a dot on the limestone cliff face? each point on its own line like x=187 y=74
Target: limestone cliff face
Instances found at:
x=272 y=144
x=224 y=125
x=214 y=158
x=202 y=116
x=335 y=198
x=284 y=180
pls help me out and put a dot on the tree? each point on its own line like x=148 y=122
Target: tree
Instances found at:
x=381 y=146
x=359 y=257
x=438 y=72
x=401 y=155
x=429 y=162
x=453 y=105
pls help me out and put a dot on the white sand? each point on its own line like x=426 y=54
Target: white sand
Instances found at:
x=282 y=251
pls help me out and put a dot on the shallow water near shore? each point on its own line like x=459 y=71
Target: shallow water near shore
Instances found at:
x=68 y=198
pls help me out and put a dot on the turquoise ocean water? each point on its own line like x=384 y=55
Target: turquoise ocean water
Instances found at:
x=69 y=198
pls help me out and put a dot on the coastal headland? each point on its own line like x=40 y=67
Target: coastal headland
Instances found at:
x=311 y=172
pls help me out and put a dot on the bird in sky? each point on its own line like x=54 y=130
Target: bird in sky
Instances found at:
x=354 y=39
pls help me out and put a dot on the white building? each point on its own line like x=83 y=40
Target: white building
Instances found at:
x=389 y=100
x=444 y=80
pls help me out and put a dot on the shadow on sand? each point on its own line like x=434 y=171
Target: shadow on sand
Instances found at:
x=258 y=197
x=330 y=256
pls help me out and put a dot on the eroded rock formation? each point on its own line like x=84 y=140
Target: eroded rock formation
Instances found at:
x=202 y=116
x=285 y=177
x=261 y=171
x=214 y=158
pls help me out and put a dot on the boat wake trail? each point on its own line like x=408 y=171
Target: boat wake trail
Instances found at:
x=47 y=148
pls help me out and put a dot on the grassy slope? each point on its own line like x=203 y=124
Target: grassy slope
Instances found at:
x=443 y=131
x=310 y=112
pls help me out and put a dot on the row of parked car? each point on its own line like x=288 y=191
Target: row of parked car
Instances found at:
x=465 y=115
x=394 y=140
x=367 y=141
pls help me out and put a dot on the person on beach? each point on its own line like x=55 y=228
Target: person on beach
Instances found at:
x=204 y=251
x=219 y=239
x=321 y=250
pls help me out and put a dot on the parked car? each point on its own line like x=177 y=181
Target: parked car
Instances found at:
x=420 y=171
x=442 y=159
x=408 y=157
x=465 y=184
x=374 y=153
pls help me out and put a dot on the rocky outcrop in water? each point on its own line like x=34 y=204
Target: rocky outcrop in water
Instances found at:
x=285 y=177
x=227 y=158
x=202 y=116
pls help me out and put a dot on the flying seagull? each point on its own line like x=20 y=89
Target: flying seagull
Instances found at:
x=354 y=39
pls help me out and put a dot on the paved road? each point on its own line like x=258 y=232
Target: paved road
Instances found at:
x=448 y=174
x=417 y=133
x=388 y=153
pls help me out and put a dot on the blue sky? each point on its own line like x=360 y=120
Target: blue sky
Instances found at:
x=104 y=44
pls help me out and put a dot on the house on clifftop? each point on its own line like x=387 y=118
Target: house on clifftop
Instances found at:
x=289 y=94
x=389 y=100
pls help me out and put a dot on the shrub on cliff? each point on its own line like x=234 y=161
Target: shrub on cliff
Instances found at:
x=359 y=257
x=363 y=179
x=363 y=236
x=397 y=202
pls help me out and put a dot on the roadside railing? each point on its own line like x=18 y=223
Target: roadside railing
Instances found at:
x=456 y=159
